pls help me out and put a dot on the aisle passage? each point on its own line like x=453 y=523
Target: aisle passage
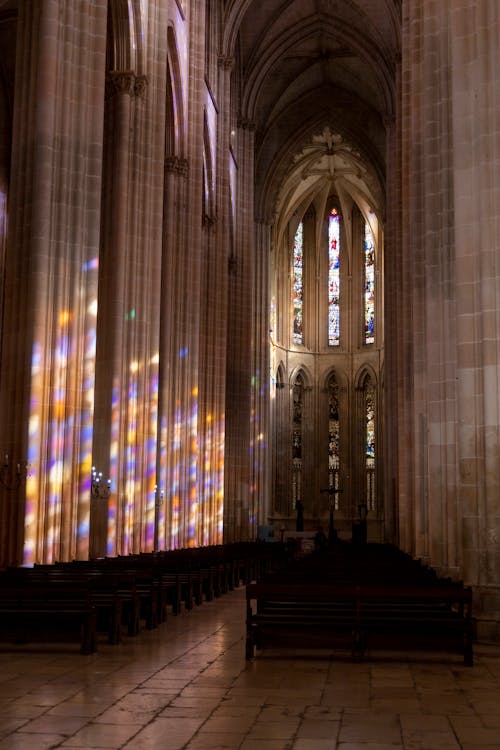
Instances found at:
x=187 y=685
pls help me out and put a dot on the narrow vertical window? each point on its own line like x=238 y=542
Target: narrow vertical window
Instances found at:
x=334 y=278
x=369 y=248
x=298 y=285
x=298 y=391
x=369 y=393
x=333 y=439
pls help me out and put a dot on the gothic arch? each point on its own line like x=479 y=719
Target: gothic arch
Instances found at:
x=208 y=175
x=126 y=36
x=174 y=145
x=338 y=371
x=368 y=52
x=303 y=370
x=365 y=371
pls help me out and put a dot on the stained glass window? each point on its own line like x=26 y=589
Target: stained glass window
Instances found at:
x=369 y=248
x=369 y=393
x=298 y=285
x=334 y=278
x=333 y=438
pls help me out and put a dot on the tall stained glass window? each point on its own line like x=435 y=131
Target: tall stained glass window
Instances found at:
x=298 y=285
x=333 y=438
x=334 y=278
x=369 y=394
x=369 y=248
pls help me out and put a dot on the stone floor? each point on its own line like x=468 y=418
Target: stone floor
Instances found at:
x=187 y=685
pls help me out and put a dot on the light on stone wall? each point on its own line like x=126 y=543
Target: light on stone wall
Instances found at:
x=99 y=488
x=11 y=473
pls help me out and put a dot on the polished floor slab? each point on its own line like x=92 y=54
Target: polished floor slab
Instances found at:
x=187 y=686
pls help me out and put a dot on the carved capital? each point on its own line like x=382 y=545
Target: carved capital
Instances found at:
x=225 y=62
x=125 y=82
x=208 y=221
x=176 y=165
x=245 y=124
x=140 y=86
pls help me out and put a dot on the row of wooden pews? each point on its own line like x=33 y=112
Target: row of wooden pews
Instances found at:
x=359 y=597
x=78 y=601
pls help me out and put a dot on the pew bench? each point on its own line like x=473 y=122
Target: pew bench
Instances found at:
x=359 y=617
x=35 y=612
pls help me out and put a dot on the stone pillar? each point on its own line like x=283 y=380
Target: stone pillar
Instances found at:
x=216 y=259
x=261 y=428
x=127 y=388
x=474 y=51
x=240 y=518
x=172 y=274
x=450 y=132
x=50 y=279
x=181 y=294
x=394 y=404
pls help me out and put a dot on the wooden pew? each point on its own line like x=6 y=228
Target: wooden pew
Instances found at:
x=359 y=616
x=34 y=612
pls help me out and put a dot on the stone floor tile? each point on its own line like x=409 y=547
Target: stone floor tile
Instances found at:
x=164 y=733
x=274 y=730
x=224 y=724
x=251 y=743
x=318 y=744
x=486 y=738
x=22 y=741
x=213 y=741
x=50 y=724
x=316 y=729
x=385 y=729
x=191 y=684
x=102 y=735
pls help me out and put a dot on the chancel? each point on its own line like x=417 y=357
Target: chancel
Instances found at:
x=249 y=251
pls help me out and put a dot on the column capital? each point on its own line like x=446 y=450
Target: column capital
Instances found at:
x=176 y=165
x=245 y=123
x=225 y=62
x=125 y=82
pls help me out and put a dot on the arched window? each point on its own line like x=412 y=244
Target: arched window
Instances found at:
x=297 y=406
x=298 y=285
x=281 y=446
x=370 y=452
x=333 y=439
x=369 y=285
x=334 y=278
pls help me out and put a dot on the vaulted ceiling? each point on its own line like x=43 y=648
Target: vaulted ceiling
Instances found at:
x=319 y=87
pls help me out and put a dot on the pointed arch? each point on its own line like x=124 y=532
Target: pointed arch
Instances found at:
x=208 y=199
x=280 y=431
x=175 y=129
x=305 y=373
x=367 y=411
x=126 y=25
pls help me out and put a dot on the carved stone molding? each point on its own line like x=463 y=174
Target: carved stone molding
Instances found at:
x=245 y=124
x=225 y=62
x=141 y=84
x=176 y=165
x=208 y=221
x=125 y=82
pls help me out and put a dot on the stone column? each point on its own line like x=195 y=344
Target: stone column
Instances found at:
x=474 y=52
x=261 y=427
x=450 y=132
x=240 y=517
x=50 y=280
x=181 y=291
